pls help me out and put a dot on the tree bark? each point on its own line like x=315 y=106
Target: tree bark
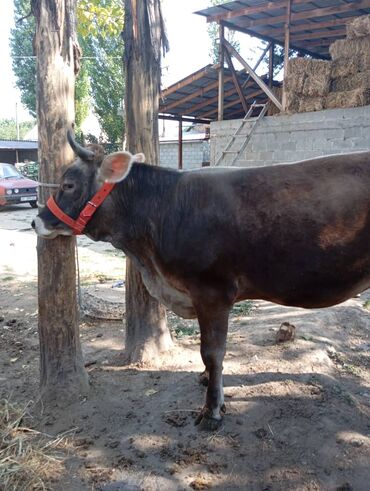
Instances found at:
x=147 y=334
x=62 y=373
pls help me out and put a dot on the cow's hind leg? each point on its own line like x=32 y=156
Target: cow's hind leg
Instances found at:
x=213 y=325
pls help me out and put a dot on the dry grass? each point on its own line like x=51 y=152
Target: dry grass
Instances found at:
x=29 y=460
x=359 y=27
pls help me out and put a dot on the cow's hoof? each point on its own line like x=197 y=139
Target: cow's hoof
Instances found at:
x=203 y=378
x=207 y=422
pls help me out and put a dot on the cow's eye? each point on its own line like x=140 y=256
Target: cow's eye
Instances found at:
x=68 y=186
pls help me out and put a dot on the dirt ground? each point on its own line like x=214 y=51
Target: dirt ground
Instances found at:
x=297 y=412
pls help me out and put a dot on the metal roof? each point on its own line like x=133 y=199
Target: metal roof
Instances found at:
x=18 y=145
x=314 y=24
x=197 y=95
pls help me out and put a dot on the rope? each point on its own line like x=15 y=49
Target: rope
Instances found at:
x=79 y=295
x=48 y=185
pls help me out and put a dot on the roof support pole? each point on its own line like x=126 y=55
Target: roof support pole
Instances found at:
x=221 y=73
x=253 y=74
x=180 y=144
x=271 y=64
x=236 y=81
x=286 y=47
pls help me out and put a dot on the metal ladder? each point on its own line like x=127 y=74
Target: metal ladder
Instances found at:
x=253 y=124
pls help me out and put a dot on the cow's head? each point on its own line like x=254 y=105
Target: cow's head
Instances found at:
x=80 y=182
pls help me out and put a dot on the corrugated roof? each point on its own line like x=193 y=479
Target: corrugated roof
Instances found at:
x=314 y=24
x=197 y=95
x=18 y=145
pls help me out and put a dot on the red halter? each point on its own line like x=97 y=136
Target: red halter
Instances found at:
x=86 y=214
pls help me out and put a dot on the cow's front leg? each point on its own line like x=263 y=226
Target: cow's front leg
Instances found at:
x=213 y=325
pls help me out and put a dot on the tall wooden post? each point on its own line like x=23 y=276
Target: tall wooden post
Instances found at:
x=63 y=376
x=271 y=64
x=147 y=334
x=221 y=73
x=286 y=48
x=180 y=144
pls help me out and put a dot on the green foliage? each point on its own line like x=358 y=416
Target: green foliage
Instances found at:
x=100 y=18
x=24 y=64
x=104 y=62
x=8 y=129
x=214 y=35
x=100 y=80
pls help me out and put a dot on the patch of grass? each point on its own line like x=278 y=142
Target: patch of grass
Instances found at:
x=366 y=305
x=182 y=330
x=242 y=309
x=28 y=458
x=8 y=278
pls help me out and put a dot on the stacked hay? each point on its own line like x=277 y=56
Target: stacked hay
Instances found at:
x=307 y=84
x=313 y=85
x=272 y=109
x=350 y=85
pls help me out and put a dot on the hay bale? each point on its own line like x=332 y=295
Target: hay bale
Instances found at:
x=272 y=109
x=308 y=77
x=291 y=102
x=357 y=81
x=310 y=104
x=351 y=98
x=359 y=27
x=357 y=49
x=344 y=68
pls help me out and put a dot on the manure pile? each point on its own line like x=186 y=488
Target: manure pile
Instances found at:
x=313 y=85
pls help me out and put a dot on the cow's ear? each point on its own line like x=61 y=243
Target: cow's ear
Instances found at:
x=116 y=166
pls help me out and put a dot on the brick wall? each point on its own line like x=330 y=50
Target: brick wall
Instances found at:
x=288 y=138
x=194 y=153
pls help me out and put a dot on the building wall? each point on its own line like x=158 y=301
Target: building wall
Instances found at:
x=194 y=153
x=288 y=138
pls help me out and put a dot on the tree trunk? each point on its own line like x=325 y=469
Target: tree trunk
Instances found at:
x=63 y=376
x=147 y=334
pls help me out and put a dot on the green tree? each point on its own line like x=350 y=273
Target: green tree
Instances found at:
x=100 y=79
x=8 y=129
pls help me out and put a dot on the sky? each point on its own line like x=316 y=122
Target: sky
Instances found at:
x=188 y=39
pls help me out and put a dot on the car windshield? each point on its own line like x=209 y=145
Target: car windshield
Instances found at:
x=8 y=171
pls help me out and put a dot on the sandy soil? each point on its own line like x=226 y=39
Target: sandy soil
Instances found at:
x=297 y=412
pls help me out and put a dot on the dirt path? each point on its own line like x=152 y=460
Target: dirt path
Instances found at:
x=297 y=413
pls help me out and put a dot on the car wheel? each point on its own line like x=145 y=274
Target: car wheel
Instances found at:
x=33 y=204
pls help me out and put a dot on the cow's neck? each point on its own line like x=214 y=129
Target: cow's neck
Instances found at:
x=131 y=217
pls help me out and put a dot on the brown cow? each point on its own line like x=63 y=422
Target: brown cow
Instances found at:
x=295 y=234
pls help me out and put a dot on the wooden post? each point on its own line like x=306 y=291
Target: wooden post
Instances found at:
x=147 y=334
x=286 y=48
x=62 y=373
x=271 y=64
x=180 y=144
x=221 y=73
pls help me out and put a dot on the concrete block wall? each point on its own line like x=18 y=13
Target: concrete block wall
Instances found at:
x=288 y=138
x=194 y=153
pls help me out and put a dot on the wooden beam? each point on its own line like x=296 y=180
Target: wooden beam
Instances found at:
x=306 y=15
x=197 y=93
x=211 y=100
x=286 y=47
x=252 y=73
x=180 y=145
x=170 y=117
x=271 y=64
x=245 y=11
x=191 y=78
x=221 y=73
x=236 y=81
x=318 y=35
x=311 y=26
x=321 y=42
x=233 y=103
